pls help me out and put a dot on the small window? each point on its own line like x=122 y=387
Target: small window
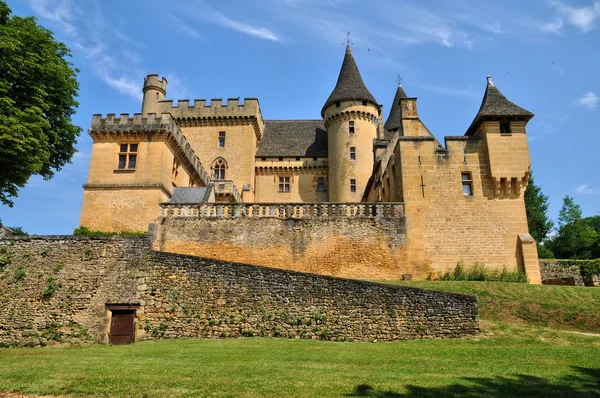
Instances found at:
x=351 y=127
x=314 y=158
x=352 y=153
x=467 y=183
x=281 y=158
x=352 y=185
x=175 y=170
x=505 y=128
x=321 y=184
x=337 y=104
x=128 y=156
x=221 y=139
x=364 y=103
x=263 y=158
x=297 y=158
x=284 y=184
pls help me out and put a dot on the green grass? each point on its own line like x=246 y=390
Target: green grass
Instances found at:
x=509 y=361
x=512 y=357
x=557 y=307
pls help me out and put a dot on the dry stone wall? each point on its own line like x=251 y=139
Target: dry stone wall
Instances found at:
x=57 y=289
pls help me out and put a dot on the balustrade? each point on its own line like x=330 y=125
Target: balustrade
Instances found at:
x=283 y=210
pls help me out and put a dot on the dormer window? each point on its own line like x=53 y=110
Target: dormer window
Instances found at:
x=351 y=127
x=505 y=128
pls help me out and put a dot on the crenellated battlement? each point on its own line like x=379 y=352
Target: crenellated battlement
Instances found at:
x=203 y=110
x=148 y=124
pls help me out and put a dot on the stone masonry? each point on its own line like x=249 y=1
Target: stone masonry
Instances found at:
x=57 y=289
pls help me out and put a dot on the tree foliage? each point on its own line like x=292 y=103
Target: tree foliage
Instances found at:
x=577 y=237
x=536 y=205
x=38 y=86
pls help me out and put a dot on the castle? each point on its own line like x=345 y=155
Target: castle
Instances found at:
x=219 y=181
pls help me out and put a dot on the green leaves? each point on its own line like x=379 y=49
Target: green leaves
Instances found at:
x=38 y=87
x=536 y=205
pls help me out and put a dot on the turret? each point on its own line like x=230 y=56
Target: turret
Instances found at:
x=351 y=116
x=502 y=124
x=154 y=91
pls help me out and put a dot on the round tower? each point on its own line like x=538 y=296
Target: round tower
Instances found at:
x=154 y=91
x=351 y=116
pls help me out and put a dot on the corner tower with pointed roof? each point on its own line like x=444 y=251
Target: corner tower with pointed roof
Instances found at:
x=351 y=116
x=502 y=124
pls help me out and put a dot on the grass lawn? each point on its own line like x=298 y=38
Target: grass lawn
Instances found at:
x=507 y=360
x=557 y=307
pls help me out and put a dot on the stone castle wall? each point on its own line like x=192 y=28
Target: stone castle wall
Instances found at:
x=57 y=288
x=361 y=247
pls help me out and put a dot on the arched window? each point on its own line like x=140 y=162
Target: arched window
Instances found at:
x=218 y=168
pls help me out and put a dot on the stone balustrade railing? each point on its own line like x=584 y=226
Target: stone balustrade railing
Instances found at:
x=283 y=210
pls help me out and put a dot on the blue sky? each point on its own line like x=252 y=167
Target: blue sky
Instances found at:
x=544 y=55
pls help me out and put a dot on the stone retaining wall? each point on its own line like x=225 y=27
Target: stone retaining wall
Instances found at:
x=57 y=288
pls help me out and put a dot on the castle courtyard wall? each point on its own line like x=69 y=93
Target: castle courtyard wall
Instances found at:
x=57 y=289
x=360 y=248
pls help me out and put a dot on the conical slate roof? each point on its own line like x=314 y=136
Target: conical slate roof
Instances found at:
x=496 y=104
x=349 y=85
x=394 y=120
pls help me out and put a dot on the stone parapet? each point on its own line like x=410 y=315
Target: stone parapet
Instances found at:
x=284 y=210
x=151 y=124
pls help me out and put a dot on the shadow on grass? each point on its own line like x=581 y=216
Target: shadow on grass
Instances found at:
x=586 y=383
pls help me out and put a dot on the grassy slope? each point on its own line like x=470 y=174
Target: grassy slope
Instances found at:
x=509 y=363
x=557 y=307
x=512 y=358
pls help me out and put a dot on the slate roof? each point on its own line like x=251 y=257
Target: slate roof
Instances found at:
x=349 y=85
x=394 y=120
x=494 y=103
x=190 y=195
x=293 y=138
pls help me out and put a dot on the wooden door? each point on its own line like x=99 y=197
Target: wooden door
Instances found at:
x=122 y=327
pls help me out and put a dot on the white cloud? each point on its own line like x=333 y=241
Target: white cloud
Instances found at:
x=60 y=12
x=184 y=27
x=260 y=32
x=208 y=14
x=588 y=100
x=105 y=49
x=583 y=18
x=552 y=27
x=584 y=189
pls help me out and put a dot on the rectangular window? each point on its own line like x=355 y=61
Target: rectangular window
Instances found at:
x=321 y=184
x=127 y=156
x=221 y=139
x=284 y=184
x=351 y=127
x=352 y=153
x=505 y=128
x=467 y=183
x=352 y=185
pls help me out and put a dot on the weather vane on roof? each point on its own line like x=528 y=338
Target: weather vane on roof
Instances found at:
x=399 y=79
x=348 y=40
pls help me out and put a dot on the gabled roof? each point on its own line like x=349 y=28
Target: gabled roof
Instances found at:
x=349 y=85
x=495 y=104
x=293 y=138
x=394 y=120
